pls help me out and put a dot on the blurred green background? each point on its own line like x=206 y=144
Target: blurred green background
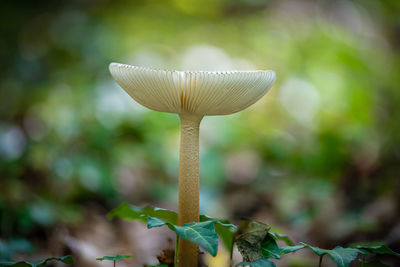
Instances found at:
x=318 y=157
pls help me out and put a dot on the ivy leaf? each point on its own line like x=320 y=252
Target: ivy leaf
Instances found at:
x=248 y=239
x=130 y=212
x=284 y=238
x=201 y=233
x=156 y=222
x=224 y=229
x=258 y=263
x=114 y=258
x=341 y=256
x=375 y=249
x=269 y=248
x=227 y=232
x=65 y=259
x=9 y=248
x=290 y=249
x=156 y=217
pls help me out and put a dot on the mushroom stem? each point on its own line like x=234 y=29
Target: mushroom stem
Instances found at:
x=188 y=210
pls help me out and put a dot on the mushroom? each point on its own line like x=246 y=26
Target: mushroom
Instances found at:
x=192 y=95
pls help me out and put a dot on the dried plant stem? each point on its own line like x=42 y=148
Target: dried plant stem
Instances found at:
x=188 y=210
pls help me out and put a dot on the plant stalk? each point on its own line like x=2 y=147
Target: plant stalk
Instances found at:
x=176 y=252
x=363 y=260
x=188 y=207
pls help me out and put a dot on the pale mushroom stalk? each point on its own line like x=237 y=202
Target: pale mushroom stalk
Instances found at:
x=189 y=183
x=192 y=95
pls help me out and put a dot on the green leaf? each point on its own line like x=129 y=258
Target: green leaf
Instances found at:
x=156 y=217
x=65 y=259
x=155 y=222
x=255 y=242
x=269 y=248
x=201 y=233
x=375 y=249
x=224 y=229
x=114 y=258
x=226 y=232
x=258 y=263
x=248 y=239
x=9 y=248
x=130 y=212
x=284 y=238
x=341 y=256
x=289 y=249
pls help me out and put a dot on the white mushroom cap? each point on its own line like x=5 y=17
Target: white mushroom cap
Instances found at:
x=196 y=92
